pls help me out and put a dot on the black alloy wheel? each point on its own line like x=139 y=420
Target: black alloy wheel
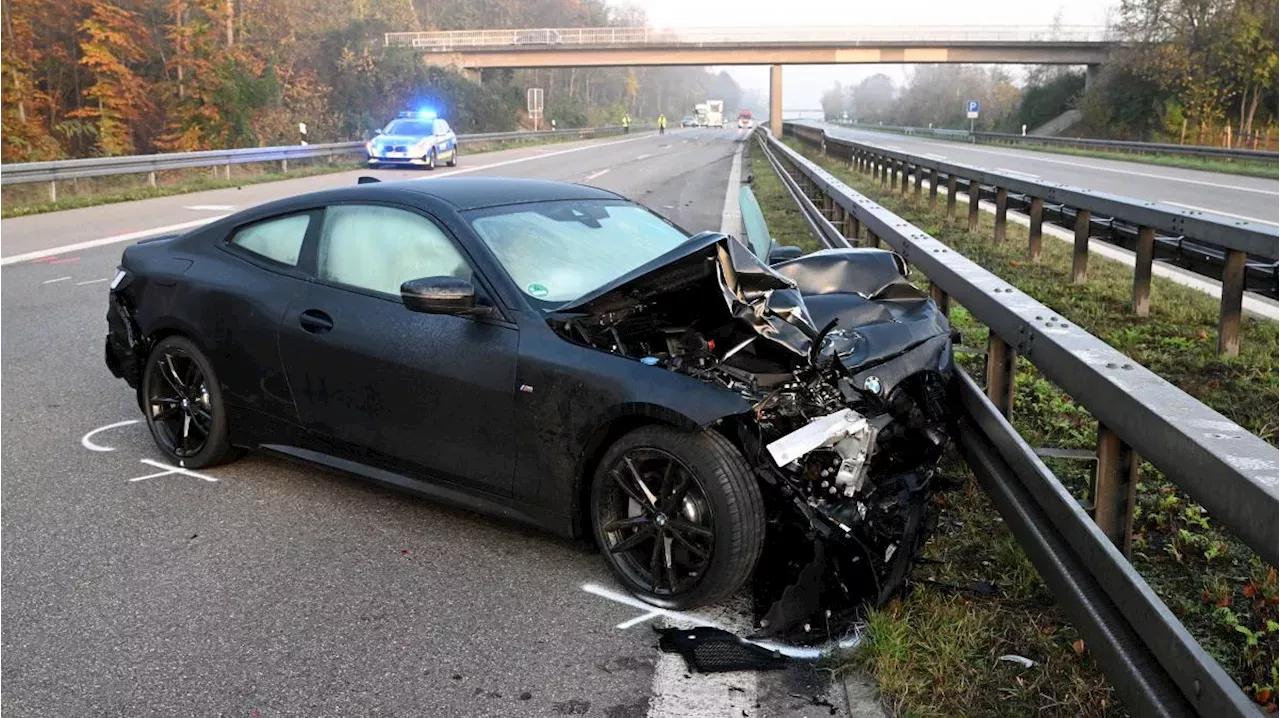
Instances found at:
x=677 y=515
x=183 y=407
x=663 y=531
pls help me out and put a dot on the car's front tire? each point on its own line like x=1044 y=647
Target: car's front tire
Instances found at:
x=431 y=159
x=678 y=516
x=453 y=157
x=182 y=403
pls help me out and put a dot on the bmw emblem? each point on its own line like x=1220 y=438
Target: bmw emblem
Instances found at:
x=872 y=384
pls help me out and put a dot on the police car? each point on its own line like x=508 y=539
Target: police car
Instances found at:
x=414 y=138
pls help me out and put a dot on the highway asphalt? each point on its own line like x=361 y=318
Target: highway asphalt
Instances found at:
x=269 y=588
x=1251 y=198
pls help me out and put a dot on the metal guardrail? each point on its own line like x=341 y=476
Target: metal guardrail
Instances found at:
x=1145 y=148
x=456 y=40
x=1089 y=212
x=1155 y=665
x=55 y=171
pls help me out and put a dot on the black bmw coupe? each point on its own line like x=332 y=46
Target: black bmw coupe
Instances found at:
x=559 y=355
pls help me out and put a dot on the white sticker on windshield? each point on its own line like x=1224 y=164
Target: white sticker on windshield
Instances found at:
x=537 y=290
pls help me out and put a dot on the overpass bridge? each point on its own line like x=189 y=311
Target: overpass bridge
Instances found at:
x=473 y=50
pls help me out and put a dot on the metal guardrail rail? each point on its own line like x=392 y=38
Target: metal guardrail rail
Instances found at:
x=515 y=38
x=52 y=172
x=1144 y=148
x=1155 y=665
x=1090 y=213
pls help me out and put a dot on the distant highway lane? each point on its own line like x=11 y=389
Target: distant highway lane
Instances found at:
x=1251 y=198
x=265 y=588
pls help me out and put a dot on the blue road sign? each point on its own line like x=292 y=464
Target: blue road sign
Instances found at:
x=973 y=106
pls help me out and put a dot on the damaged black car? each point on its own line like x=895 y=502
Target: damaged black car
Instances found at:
x=559 y=355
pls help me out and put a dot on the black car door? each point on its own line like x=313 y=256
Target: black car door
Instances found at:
x=406 y=389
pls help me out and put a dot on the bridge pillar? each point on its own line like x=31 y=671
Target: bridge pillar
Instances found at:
x=1091 y=73
x=775 y=100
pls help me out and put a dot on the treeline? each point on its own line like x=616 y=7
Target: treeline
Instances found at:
x=87 y=78
x=1202 y=71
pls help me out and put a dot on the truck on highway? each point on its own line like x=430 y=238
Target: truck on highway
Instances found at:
x=715 y=113
x=700 y=112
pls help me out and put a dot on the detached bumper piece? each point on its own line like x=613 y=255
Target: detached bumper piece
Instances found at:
x=711 y=650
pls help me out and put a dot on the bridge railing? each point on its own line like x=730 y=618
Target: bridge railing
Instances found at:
x=534 y=38
x=57 y=170
x=1155 y=665
x=1227 y=241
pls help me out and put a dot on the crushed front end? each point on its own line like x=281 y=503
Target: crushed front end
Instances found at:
x=847 y=368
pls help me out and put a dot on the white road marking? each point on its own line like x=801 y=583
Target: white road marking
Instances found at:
x=59 y=279
x=211 y=207
x=933 y=156
x=93 y=281
x=644 y=156
x=172 y=470
x=594 y=175
x=28 y=256
x=518 y=160
x=86 y=443
x=1016 y=172
x=1218 y=211
x=731 y=215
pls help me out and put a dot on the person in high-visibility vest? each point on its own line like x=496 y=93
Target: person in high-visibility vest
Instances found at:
x=662 y=124
x=626 y=125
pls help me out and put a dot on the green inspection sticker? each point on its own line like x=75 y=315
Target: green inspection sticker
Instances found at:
x=537 y=290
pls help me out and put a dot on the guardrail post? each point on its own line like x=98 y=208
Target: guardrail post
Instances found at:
x=951 y=197
x=1080 y=256
x=1036 y=233
x=226 y=173
x=1002 y=213
x=852 y=228
x=1232 y=298
x=941 y=298
x=919 y=181
x=1115 y=486
x=53 y=190
x=886 y=169
x=872 y=239
x=151 y=178
x=1002 y=363
x=906 y=176
x=975 y=196
x=1142 y=271
x=933 y=187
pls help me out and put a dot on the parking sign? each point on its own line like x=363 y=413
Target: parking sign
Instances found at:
x=972 y=110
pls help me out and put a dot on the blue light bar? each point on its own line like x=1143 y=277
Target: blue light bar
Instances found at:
x=427 y=114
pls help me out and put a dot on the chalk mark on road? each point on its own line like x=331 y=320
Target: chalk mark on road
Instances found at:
x=171 y=470
x=91 y=446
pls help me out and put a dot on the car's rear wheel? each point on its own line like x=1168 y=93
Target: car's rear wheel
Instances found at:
x=182 y=402
x=678 y=516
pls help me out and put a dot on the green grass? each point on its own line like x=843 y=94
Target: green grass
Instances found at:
x=786 y=223
x=29 y=199
x=1223 y=593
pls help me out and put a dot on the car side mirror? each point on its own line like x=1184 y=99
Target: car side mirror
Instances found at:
x=442 y=295
x=377 y=132
x=782 y=253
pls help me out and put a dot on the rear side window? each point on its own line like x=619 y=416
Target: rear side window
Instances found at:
x=379 y=248
x=442 y=127
x=279 y=240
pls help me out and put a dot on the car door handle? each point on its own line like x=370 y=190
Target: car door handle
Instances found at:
x=315 y=321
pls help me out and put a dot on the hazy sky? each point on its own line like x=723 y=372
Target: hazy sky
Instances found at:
x=803 y=85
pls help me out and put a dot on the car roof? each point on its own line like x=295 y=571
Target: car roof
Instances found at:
x=477 y=192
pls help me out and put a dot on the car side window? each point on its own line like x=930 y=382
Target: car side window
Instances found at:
x=279 y=239
x=441 y=128
x=379 y=248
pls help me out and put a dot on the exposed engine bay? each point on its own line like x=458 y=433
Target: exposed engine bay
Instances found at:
x=846 y=367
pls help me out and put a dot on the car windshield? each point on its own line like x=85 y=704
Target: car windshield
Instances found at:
x=559 y=251
x=408 y=127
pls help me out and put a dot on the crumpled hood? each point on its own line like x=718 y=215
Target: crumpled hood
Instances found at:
x=863 y=289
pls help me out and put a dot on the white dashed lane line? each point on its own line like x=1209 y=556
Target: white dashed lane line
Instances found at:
x=594 y=175
x=1224 y=214
x=59 y=279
